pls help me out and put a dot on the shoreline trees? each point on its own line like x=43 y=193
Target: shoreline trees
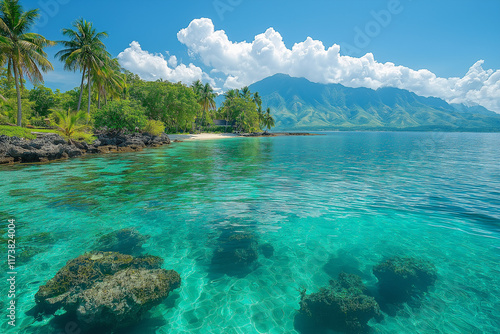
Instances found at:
x=21 y=49
x=243 y=109
x=175 y=106
x=84 y=51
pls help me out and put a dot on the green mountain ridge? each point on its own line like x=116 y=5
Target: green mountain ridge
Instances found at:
x=298 y=104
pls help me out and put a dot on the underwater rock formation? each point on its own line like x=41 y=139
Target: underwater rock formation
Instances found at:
x=125 y=241
x=123 y=297
x=107 y=289
x=343 y=306
x=235 y=253
x=401 y=278
x=267 y=250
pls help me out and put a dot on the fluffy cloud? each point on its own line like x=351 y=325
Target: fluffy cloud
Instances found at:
x=245 y=63
x=154 y=66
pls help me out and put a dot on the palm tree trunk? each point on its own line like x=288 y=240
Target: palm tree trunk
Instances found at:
x=81 y=90
x=18 y=91
x=99 y=100
x=89 y=84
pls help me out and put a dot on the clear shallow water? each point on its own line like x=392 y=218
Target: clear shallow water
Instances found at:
x=344 y=201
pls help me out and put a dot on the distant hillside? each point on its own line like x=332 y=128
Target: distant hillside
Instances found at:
x=298 y=104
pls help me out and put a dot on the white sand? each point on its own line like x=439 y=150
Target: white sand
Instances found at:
x=202 y=136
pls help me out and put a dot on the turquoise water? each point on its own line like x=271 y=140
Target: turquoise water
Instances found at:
x=342 y=201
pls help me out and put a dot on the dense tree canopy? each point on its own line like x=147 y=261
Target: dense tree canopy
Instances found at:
x=116 y=98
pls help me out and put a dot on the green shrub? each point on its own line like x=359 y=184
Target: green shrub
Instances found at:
x=89 y=138
x=71 y=122
x=120 y=115
x=154 y=128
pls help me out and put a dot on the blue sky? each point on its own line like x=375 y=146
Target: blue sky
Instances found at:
x=444 y=37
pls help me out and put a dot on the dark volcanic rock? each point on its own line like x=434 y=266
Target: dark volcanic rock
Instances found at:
x=267 y=250
x=401 y=278
x=52 y=146
x=126 y=241
x=343 y=306
x=235 y=253
x=48 y=147
x=107 y=289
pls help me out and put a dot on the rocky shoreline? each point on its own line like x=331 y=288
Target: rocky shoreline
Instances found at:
x=277 y=134
x=49 y=147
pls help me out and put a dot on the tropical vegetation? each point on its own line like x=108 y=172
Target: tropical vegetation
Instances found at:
x=116 y=99
x=22 y=50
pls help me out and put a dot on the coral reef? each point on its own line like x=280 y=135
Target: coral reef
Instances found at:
x=107 y=289
x=401 y=278
x=235 y=253
x=267 y=250
x=123 y=297
x=343 y=306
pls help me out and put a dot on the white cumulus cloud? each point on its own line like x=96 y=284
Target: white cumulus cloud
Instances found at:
x=245 y=63
x=154 y=66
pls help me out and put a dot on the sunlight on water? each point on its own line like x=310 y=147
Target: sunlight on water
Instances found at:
x=326 y=204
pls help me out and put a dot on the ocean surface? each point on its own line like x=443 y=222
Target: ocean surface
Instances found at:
x=343 y=201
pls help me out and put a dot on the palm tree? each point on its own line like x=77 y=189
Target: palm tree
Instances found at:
x=22 y=50
x=109 y=81
x=230 y=96
x=257 y=99
x=245 y=93
x=207 y=101
x=84 y=51
x=262 y=116
x=268 y=119
x=197 y=87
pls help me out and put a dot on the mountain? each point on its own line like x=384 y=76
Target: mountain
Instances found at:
x=298 y=104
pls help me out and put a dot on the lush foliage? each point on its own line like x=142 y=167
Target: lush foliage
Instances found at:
x=243 y=109
x=84 y=51
x=173 y=104
x=206 y=98
x=70 y=122
x=121 y=115
x=43 y=100
x=22 y=50
x=116 y=99
x=153 y=127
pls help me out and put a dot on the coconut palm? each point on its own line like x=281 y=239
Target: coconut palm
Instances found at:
x=230 y=96
x=197 y=87
x=268 y=119
x=110 y=81
x=84 y=51
x=245 y=93
x=22 y=50
x=207 y=101
x=257 y=99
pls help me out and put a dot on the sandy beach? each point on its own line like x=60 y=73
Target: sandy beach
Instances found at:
x=202 y=136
